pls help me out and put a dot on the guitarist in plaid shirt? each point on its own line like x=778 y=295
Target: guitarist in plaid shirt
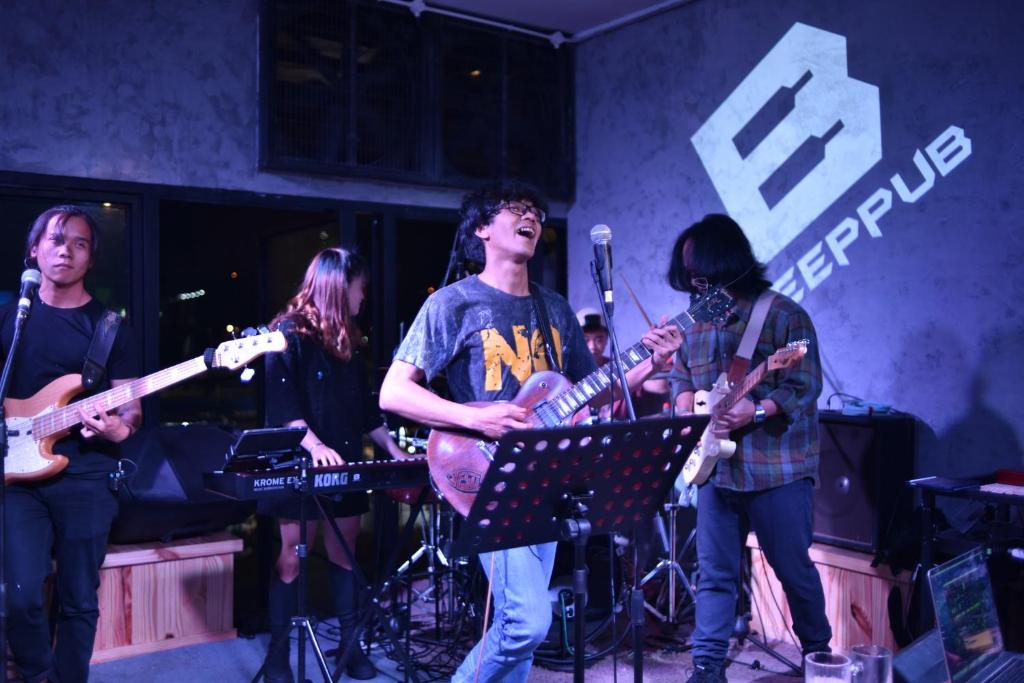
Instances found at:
x=768 y=483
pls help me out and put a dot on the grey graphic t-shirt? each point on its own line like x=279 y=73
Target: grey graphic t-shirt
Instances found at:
x=488 y=342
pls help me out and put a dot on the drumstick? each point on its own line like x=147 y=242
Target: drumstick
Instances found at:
x=635 y=300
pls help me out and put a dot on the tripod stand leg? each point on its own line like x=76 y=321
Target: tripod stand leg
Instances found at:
x=307 y=628
x=767 y=649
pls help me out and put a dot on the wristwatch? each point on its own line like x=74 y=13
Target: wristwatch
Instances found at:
x=759 y=413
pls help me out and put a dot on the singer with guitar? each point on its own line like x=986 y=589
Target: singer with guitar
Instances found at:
x=68 y=515
x=484 y=333
x=767 y=482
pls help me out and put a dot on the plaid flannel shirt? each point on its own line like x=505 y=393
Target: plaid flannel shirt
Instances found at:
x=785 y=448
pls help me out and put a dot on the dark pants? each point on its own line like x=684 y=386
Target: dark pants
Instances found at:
x=782 y=519
x=68 y=518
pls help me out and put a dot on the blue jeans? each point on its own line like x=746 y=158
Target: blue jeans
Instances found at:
x=522 y=614
x=782 y=519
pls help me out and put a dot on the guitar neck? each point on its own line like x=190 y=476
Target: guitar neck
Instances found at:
x=67 y=417
x=743 y=388
x=581 y=393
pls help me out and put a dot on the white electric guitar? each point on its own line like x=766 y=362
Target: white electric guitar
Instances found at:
x=35 y=424
x=722 y=397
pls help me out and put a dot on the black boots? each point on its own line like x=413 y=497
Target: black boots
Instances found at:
x=358 y=665
x=281 y=604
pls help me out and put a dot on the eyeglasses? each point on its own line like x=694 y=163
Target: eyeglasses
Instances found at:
x=522 y=208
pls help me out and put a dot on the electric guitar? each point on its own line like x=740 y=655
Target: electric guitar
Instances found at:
x=458 y=460
x=35 y=424
x=723 y=397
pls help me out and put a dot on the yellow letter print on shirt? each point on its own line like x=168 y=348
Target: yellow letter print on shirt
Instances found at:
x=528 y=357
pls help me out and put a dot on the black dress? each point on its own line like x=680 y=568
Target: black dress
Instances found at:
x=333 y=396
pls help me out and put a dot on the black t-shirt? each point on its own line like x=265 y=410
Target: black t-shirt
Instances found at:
x=54 y=343
x=304 y=382
x=487 y=342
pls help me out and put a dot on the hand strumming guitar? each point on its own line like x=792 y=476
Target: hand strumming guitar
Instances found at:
x=494 y=420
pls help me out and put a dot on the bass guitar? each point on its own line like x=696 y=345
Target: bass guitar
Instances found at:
x=35 y=424
x=458 y=460
x=722 y=398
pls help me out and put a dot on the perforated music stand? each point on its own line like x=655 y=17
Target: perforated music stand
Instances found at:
x=569 y=482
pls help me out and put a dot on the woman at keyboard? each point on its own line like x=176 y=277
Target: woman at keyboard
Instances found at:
x=321 y=383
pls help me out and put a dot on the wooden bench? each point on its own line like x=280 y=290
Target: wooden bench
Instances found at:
x=856 y=597
x=158 y=596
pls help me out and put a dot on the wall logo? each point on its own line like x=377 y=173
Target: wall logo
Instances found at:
x=792 y=138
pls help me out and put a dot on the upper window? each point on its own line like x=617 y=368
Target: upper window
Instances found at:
x=366 y=89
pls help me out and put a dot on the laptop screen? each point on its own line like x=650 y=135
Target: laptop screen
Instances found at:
x=966 y=613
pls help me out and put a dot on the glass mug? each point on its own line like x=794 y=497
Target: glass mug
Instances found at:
x=871 y=664
x=827 y=667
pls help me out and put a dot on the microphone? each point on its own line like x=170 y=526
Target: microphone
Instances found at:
x=601 y=236
x=30 y=280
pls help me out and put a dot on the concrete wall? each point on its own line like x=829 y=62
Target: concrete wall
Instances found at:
x=917 y=306
x=149 y=91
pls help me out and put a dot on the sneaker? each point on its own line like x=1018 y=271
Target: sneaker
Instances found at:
x=707 y=671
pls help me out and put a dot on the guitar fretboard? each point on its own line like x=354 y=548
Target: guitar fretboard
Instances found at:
x=561 y=407
x=743 y=388
x=67 y=417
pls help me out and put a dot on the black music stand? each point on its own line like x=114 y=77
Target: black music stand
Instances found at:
x=566 y=483
x=271 y=449
x=276 y=449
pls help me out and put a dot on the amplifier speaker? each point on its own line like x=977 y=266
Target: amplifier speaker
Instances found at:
x=863 y=502
x=163 y=496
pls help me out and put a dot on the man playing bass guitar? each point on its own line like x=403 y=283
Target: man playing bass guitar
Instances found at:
x=70 y=513
x=483 y=333
x=767 y=483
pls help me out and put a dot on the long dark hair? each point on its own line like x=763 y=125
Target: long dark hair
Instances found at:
x=481 y=206
x=320 y=308
x=720 y=252
x=65 y=212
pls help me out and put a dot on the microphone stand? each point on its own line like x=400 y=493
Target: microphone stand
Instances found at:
x=617 y=371
x=636 y=595
x=5 y=377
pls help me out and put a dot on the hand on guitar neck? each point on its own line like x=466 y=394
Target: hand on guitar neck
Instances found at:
x=114 y=426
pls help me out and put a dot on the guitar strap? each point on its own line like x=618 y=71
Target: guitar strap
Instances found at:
x=740 y=364
x=545 y=326
x=94 y=369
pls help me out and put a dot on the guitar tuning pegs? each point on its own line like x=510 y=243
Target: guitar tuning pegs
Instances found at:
x=246 y=376
x=250 y=332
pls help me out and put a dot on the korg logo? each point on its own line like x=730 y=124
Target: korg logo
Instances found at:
x=330 y=480
x=795 y=135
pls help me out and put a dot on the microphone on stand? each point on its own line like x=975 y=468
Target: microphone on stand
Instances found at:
x=601 y=236
x=30 y=280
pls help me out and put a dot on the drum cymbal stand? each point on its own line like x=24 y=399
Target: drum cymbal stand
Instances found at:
x=670 y=566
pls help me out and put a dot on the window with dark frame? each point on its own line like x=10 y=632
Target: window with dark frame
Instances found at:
x=362 y=89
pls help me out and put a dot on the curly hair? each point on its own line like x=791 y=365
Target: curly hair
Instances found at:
x=481 y=206
x=320 y=308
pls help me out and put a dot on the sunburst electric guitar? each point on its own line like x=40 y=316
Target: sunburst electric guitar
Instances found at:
x=722 y=398
x=35 y=424
x=458 y=461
